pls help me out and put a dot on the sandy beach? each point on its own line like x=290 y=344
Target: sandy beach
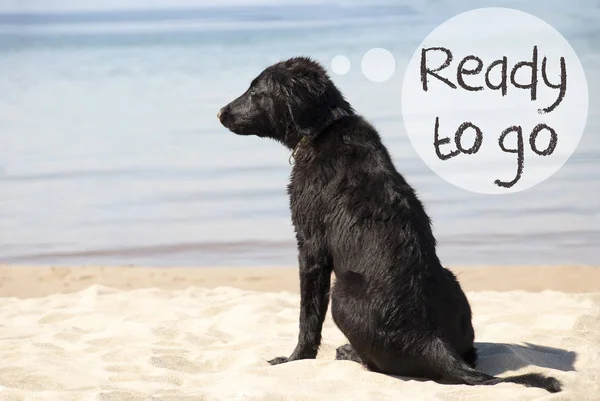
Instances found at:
x=132 y=333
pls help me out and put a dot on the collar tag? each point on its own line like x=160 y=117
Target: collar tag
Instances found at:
x=296 y=149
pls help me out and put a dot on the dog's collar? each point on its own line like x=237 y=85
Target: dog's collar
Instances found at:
x=300 y=143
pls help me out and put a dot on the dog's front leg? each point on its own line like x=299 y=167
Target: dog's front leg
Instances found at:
x=315 y=280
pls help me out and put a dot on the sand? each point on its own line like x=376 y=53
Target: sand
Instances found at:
x=93 y=333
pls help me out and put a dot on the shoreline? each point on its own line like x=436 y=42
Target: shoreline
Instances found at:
x=39 y=281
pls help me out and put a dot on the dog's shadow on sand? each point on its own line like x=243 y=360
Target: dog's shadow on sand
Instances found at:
x=497 y=358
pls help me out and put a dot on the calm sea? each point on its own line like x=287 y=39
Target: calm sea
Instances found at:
x=111 y=153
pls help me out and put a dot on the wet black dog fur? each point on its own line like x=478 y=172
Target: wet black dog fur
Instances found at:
x=355 y=215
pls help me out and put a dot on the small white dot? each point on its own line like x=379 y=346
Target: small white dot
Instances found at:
x=340 y=65
x=378 y=65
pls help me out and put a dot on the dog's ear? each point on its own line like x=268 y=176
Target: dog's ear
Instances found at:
x=310 y=105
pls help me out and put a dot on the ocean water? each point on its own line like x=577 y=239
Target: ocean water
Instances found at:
x=111 y=153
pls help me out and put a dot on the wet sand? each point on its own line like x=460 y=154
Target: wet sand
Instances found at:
x=30 y=281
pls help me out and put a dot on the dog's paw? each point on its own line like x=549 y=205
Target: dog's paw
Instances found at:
x=347 y=353
x=278 y=360
x=553 y=385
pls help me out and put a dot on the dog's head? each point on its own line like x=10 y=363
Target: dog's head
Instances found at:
x=289 y=100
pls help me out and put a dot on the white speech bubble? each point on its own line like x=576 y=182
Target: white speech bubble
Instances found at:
x=455 y=79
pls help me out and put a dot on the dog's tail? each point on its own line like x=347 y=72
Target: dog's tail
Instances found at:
x=456 y=370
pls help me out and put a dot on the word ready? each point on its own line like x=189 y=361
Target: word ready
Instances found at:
x=471 y=66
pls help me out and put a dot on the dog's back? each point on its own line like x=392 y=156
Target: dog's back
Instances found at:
x=346 y=182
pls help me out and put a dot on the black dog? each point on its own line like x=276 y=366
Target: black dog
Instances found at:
x=355 y=215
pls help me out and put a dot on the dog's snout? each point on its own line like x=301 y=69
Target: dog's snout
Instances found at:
x=223 y=112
